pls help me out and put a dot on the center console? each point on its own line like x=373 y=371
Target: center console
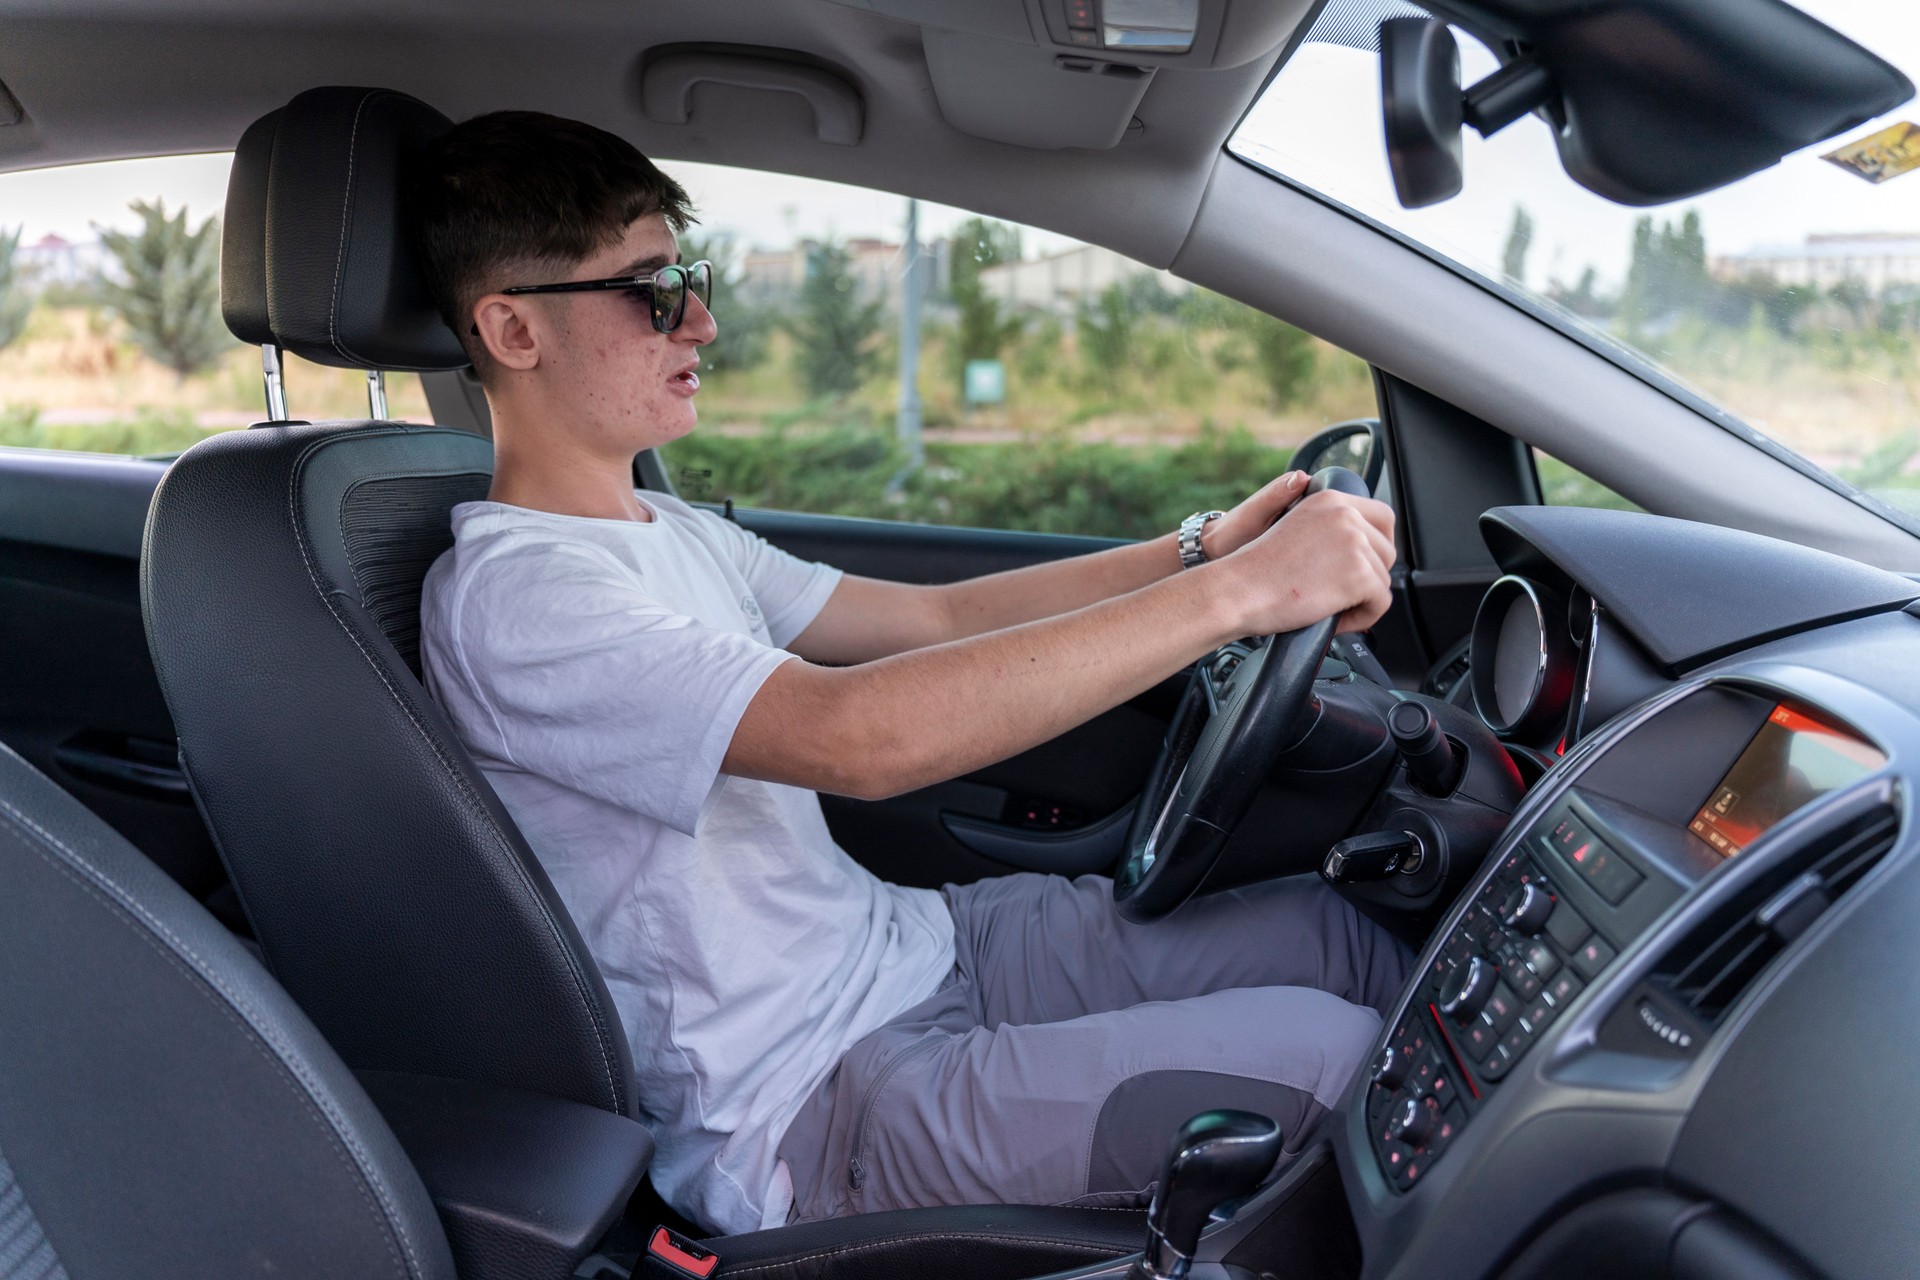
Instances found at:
x=1593 y=871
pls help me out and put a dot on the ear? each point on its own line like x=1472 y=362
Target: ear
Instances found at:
x=510 y=329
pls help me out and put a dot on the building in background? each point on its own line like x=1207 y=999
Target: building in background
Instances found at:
x=1059 y=281
x=768 y=275
x=53 y=259
x=1875 y=259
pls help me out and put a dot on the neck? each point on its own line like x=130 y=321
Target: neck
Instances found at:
x=537 y=465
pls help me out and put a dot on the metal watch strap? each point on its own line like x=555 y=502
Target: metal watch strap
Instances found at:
x=1192 y=553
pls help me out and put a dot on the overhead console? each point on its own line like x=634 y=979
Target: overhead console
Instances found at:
x=1050 y=74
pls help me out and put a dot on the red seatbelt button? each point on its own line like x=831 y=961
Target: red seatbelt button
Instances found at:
x=682 y=1254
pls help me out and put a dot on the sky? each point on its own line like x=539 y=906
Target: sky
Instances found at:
x=1319 y=122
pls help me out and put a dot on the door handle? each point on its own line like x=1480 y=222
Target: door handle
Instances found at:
x=1094 y=847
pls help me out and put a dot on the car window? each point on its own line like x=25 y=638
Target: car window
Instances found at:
x=1061 y=386
x=1789 y=301
x=1563 y=486
x=110 y=332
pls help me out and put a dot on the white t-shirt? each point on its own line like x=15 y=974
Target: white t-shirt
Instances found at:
x=596 y=670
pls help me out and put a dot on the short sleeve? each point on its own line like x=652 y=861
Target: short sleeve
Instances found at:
x=587 y=680
x=791 y=591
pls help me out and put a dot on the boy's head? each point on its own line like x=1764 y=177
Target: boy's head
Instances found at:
x=523 y=198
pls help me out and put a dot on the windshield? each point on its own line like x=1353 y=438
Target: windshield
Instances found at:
x=1790 y=299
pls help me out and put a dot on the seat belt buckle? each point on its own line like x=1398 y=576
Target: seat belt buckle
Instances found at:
x=671 y=1254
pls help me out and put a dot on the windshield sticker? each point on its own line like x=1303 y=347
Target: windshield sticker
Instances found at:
x=1879 y=156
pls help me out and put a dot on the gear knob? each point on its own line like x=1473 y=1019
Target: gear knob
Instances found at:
x=1217 y=1156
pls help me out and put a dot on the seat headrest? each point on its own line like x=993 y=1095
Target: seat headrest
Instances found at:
x=343 y=280
x=243 y=235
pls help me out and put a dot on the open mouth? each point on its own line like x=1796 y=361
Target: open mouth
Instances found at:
x=686 y=378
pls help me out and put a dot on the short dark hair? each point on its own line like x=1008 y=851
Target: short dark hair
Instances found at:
x=521 y=190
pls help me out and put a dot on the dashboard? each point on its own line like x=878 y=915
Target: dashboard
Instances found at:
x=1668 y=1027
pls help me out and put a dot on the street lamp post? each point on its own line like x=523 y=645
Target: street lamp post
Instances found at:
x=907 y=420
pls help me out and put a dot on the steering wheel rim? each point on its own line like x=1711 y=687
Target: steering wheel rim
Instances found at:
x=1240 y=711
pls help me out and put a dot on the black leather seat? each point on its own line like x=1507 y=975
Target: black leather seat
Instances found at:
x=389 y=889
x=165 y=1110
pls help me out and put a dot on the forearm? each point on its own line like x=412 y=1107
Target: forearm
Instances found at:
x=1000 y=600
x=922 y=717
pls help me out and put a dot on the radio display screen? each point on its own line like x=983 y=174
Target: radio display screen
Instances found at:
x=1792 y=760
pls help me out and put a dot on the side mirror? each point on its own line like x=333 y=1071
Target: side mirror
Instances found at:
x=1355 y=445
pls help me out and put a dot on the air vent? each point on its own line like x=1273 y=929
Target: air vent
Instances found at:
x=1708 y=970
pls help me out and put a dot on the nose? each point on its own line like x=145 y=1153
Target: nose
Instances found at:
x=697 y=325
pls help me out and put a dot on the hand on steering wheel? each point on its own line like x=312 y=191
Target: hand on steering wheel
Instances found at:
x=1238 y=714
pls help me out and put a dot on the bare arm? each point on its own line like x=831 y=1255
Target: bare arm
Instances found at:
x=907 y=721
x=866 y=618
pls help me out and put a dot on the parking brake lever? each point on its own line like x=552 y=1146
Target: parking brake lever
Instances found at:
x=1217 y=1156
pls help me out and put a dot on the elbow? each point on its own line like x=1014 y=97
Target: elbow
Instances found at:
x=866 y=761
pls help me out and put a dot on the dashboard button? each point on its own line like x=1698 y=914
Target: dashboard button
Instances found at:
x=1503 y=1006
x=1541 y=959
x=1538 y=1015
x=1515 y=1042
x=1413 y=1121
x=1525 y=982
x=1592 y=957
x=1526 y=909
x=1567 y=927
x=1496 y=1064
x=1478 y=1038
x=1561 y=991
x=1466 y=989
x=1391 y=1067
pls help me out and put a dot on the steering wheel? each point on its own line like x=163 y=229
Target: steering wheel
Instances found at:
x=1238 y=714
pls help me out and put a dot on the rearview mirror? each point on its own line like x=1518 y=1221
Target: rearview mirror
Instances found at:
x=1422 y=104
x=1354 y=445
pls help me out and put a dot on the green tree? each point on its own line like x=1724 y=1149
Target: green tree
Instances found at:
x=1105 y=328
x=15 y=304
x=833 y=328
x=1284 y=357
x=169 y=290
x=1667 y=274
x=743 y=328
x=1513 y=259
x=981 y=329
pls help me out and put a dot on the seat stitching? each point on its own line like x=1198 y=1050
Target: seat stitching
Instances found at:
x=313 y=1094
x=346 y=219
x=300 y=540
x=868 y=1246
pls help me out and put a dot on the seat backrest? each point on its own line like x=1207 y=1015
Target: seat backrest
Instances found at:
x=390 y=892
x=165 y=1110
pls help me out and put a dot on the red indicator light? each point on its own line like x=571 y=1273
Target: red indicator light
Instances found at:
x=1580 y=854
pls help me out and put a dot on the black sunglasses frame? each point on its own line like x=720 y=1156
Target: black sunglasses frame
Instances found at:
x=696 y=279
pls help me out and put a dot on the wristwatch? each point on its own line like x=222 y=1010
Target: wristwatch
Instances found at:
x=1191 y=552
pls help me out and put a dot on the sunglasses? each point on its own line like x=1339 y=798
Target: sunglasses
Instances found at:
x=665 y=290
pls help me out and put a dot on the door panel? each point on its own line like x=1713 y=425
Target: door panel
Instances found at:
x=78 y=695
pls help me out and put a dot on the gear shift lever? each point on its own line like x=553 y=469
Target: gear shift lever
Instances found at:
x=1217 y=1156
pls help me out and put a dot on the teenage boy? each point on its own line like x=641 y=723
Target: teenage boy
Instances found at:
x=658 y=696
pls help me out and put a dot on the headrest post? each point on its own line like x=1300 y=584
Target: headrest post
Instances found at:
x=376 y=395
x=276 y=385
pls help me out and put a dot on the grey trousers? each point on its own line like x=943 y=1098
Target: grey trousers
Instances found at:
x=1068 y=1045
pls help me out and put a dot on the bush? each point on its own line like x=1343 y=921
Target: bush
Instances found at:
x=150 y=433
x=1044 y=484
